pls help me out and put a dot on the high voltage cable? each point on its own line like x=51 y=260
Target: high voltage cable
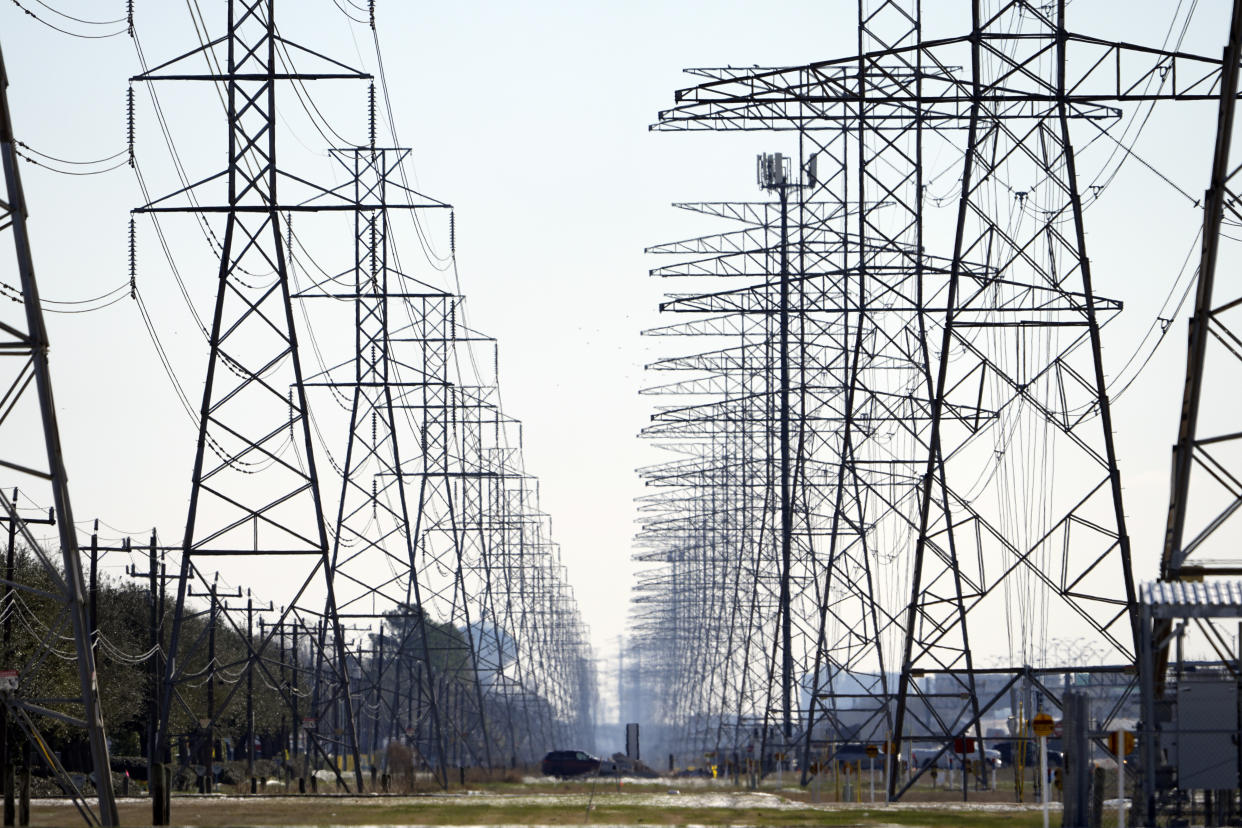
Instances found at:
x=79 y=19
x=107 y=304
x=37 y=163
x=432 y=256
x=166 y=362
x=64 y=31
x=29 y=148
x=345 y=12
x=428 y=251
x=15 y=293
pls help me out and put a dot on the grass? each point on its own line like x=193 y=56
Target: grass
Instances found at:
x=534 y=808
x=517 y=797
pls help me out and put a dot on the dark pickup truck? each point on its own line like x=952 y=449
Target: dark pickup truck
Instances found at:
x=565 y=763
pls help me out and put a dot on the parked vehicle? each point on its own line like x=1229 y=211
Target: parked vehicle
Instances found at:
x=566 y=763
x=854 y=755
x=1011 y=750
x=923 y=757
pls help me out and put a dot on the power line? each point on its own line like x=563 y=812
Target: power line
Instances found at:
x=64 y=31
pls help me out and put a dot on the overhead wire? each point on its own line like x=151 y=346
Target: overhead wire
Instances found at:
x=15 y=293
x=79 y=19
x=45 y=165
x=345 y=12
x=65 y=31
x=44 y=155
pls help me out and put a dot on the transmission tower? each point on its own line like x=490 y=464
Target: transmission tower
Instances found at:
x=373 y=555
x=255 y=489
x=30 y=701
x=1205 y=492
x=982 y=360
x=748 y=510
x=436 y=513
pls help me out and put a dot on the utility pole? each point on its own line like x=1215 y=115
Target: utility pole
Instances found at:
x=774 y=177
x=379 y=698
x=210 y=724
x=7 y=768
x=299 y=730
x=9 y=779
x=155 y=668
x=250 y=693
x=94 y=588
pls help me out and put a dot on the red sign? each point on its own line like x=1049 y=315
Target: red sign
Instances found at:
x=963 y=745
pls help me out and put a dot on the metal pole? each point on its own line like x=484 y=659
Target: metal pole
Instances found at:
x=1121 y=777
x=787 y=662
x=1043 y=776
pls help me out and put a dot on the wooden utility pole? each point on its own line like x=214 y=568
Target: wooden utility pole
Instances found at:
x=211 y=688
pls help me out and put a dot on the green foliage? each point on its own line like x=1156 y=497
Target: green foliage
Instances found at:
x=130 y=669
x=447 y=647
x=128 y=674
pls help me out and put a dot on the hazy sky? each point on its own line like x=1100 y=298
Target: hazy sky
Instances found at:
x=531 y=119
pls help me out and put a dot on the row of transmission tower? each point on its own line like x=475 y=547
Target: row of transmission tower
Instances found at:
x=411 y=591
x=890 y=446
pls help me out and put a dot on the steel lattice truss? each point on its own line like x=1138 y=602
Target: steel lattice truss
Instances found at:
x=907 y=386
x=32 y=700
x=422 y=599
x=1205 y=493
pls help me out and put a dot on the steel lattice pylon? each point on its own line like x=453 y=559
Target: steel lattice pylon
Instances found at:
x=965 y=374
x=38 y=466
x=1205 y=491
x=444 y=480
x=372 y=531
x=255 y=489
x=436 y=542
x=432 y=609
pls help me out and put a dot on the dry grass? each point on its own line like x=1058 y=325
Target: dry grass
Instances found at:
x=632 y=807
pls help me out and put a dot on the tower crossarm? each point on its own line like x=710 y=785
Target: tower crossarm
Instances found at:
x=826 y=94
